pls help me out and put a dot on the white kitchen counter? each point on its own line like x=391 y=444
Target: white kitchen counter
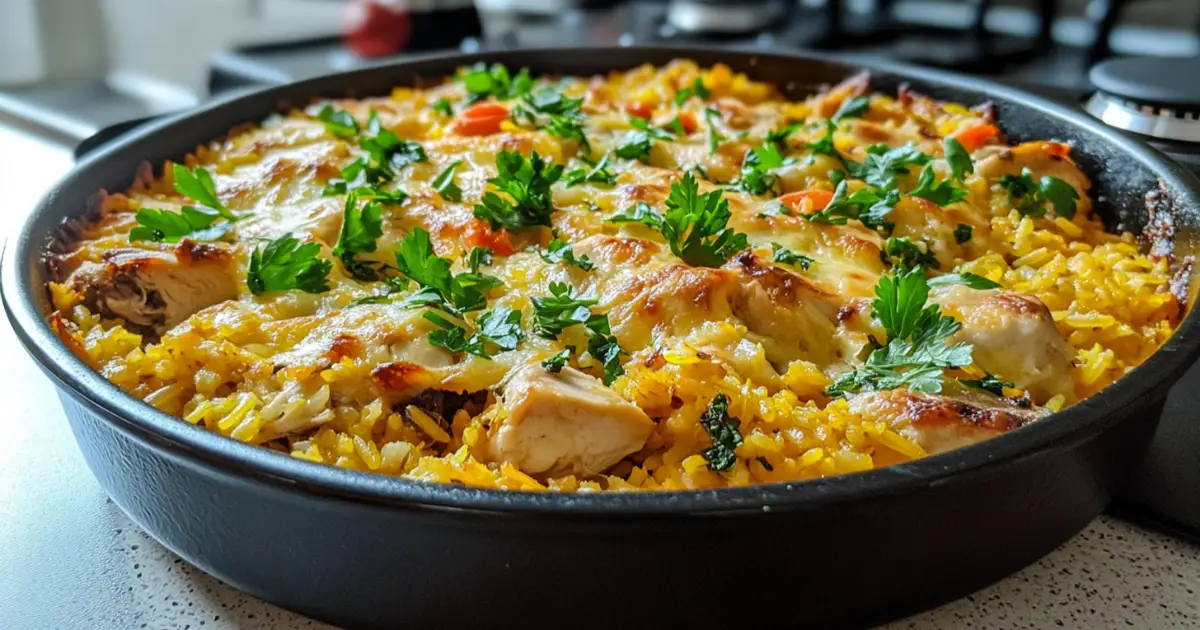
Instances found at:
x=70 y=559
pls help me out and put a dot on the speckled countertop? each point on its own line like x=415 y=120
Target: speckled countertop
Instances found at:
x=70 y=559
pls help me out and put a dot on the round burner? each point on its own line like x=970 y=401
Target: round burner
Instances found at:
x=723 y=17
x=1152 y=96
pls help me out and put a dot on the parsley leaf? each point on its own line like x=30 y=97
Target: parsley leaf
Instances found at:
x=697 y=89
x=555 y=363
x=502 y=326
x=942 y=193
x=479 y=257
x=552 y=101
x=757 y=178
x=453 y=337
x=193 y=223
x=781 y=254
x=527 y=184
x=560 y=251
x=962 y=233
x=635 y=146
x=464 y=292
x=386 y=154
x=360 y=229
x=989 y=383
x=853 y=107
x=604 y=348
x=714 y=137
x=974 y=281
x=916 y=353
x=824 y=144
x=482 y=82
x=722 y=430
x=444 y=183
x=442 y=106
x=559 y=311
x=641 y=213
x=695 y=225
x=643 y=125
x=567 y=128
x=284 y=264
x=901 y=251
x=598 y=174
x=882 y=164
x=1029 y=198
x=958 y=159
x=866 y=205
x=198 y=186
x=779 y=137
x=338 y=122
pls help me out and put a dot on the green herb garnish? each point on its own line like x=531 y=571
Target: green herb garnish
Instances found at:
x=882 y=164
x=867 y=205
x=443 y=107
x=284 y=264
x=479 y=257
x=502 y=326
x=559 y=311
x=360 y=228
x=722 y=430
x=444 y=183
x=757 y=178
x=989 y=383
x=962 y=233
x=641 y=213
x=198 y=185
x=458 y=293
x=1030 y=198
x=191 y=222
x=714 y=137
x=958 y=159
x=901 y=251
x=557 y=361
x=853 y=107
x=974 y=281
x=599 y=173
x=482 y=82
x=454 y=338
x=527 y=184
x=697 y=89
x=559 y=251
x=338 y=122
x=695 y=225
x=942 y=193
x=916 y=353
x=781 y=254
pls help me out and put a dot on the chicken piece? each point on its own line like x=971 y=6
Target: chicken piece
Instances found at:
x=156 y=290
x=1013 y=336
x=944 y=423
x=565 y=423
x=1041 y=158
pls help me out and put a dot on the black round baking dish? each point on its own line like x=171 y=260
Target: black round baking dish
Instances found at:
x=372 y=551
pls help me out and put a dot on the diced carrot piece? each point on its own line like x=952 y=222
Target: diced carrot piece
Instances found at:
x=688 y=120
x=479 y=233
x=481 y=119
x=972 y=138
x=641 y=109
x=817 y=200
x=1058 y=149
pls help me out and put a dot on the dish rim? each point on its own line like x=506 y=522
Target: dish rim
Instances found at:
x=177 y=439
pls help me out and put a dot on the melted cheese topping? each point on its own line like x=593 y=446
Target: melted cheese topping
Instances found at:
x=350 y=385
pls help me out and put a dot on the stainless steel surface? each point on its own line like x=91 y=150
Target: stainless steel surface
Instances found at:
x=701 y=16
x=1156 y=122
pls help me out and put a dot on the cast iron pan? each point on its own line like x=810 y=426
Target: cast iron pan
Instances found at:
x=373 y=551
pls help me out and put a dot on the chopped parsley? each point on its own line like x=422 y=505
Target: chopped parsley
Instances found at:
x=604 y=348
x=853 y=107
x=641 y=213
x=916 y=353
x=386 y=154
x=567 y=128
x=599 y=173
x=722 y=430
x=867 y=205
x=643 y=125
x=557 y=361
x=552 y=101
x=191 y=222
x=284 y=264
x=958 y=159
x=824 y=144
x=338 y=122
x=757 y=178
x=713 y=137
x=989 y=383
x=453 y=293
x=637 y=143
x=972 y=280
x=901 y=251
x=360 y=228
x=779 y=137
x=198 y=186
x=454 y=338
x=560 y=251
x=695 y=225
x=697 y=89
x=526 y=182
x=560 y=310
x=482 y=82
x=479 y=257
x=942 y=193
x=502 y=326
x=882 y=164
x=962 y=233
x=1030 y=198
x=444 y=183
x=442 y=106
x=781 y=254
